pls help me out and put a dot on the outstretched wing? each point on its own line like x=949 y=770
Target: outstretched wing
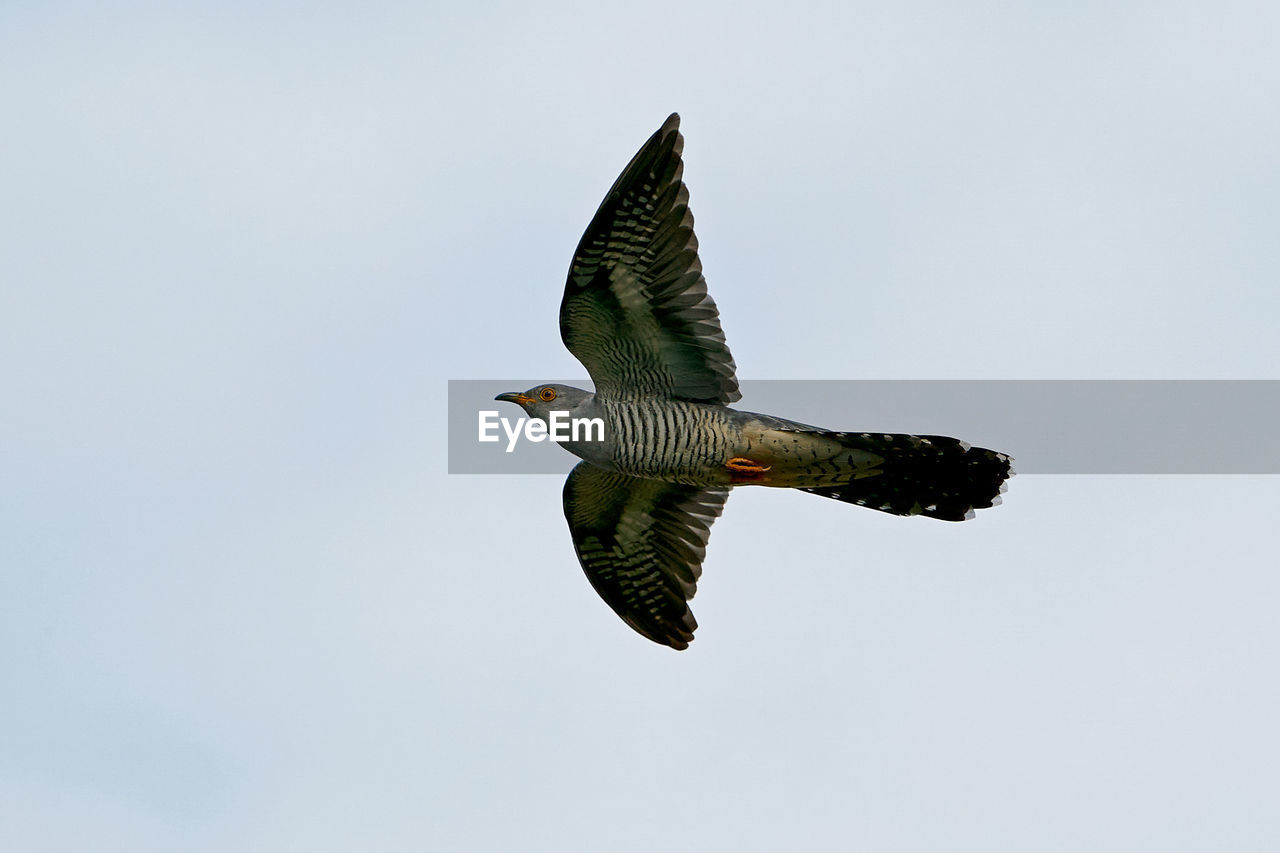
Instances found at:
x=636 y=311
x=641 y=543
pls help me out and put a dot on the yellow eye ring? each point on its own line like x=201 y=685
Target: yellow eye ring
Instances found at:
x=547 y=394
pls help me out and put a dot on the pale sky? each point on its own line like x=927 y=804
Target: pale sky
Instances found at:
x=244 y=606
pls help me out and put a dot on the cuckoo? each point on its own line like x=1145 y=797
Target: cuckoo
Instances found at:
x=640 y=505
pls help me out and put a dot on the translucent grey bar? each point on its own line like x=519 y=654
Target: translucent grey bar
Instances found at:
x=1048 y=426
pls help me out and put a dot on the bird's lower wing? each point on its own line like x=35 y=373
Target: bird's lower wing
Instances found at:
x=641 y=544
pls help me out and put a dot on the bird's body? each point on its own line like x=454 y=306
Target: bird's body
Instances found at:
x=672 y=440
x=640 y=506
x=690 y=443
x=678 y=441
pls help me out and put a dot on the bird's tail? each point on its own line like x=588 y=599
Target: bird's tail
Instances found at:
x=929 y=475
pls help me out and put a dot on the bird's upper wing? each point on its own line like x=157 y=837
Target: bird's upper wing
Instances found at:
x=636 y=311
x=641 y=543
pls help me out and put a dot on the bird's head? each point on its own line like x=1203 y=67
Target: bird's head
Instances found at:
x=541 y=400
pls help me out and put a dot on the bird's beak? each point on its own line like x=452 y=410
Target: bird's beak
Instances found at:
x=512 y=397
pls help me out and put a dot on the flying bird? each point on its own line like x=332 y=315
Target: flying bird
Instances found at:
x=640 y=505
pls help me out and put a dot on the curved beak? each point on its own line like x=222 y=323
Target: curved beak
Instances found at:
x=512 y=397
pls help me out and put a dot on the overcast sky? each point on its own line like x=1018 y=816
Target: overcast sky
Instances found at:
x=243 y=606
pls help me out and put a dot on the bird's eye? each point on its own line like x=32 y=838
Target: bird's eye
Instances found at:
x=547 y=394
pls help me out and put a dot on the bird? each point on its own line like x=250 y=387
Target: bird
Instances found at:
x=640 y=505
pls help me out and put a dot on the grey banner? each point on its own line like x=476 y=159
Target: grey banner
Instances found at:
x=1048 y=426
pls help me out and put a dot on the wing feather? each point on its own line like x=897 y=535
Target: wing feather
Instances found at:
x=641 y=544
x=636 y=311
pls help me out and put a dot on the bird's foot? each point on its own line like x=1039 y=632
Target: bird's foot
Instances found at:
x=745 y=468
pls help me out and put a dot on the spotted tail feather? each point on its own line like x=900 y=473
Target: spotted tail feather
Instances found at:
x=929 y=475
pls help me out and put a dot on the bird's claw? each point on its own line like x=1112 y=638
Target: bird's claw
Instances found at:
x=743 y=465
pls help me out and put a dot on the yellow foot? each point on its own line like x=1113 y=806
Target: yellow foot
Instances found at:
x=743 y=465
